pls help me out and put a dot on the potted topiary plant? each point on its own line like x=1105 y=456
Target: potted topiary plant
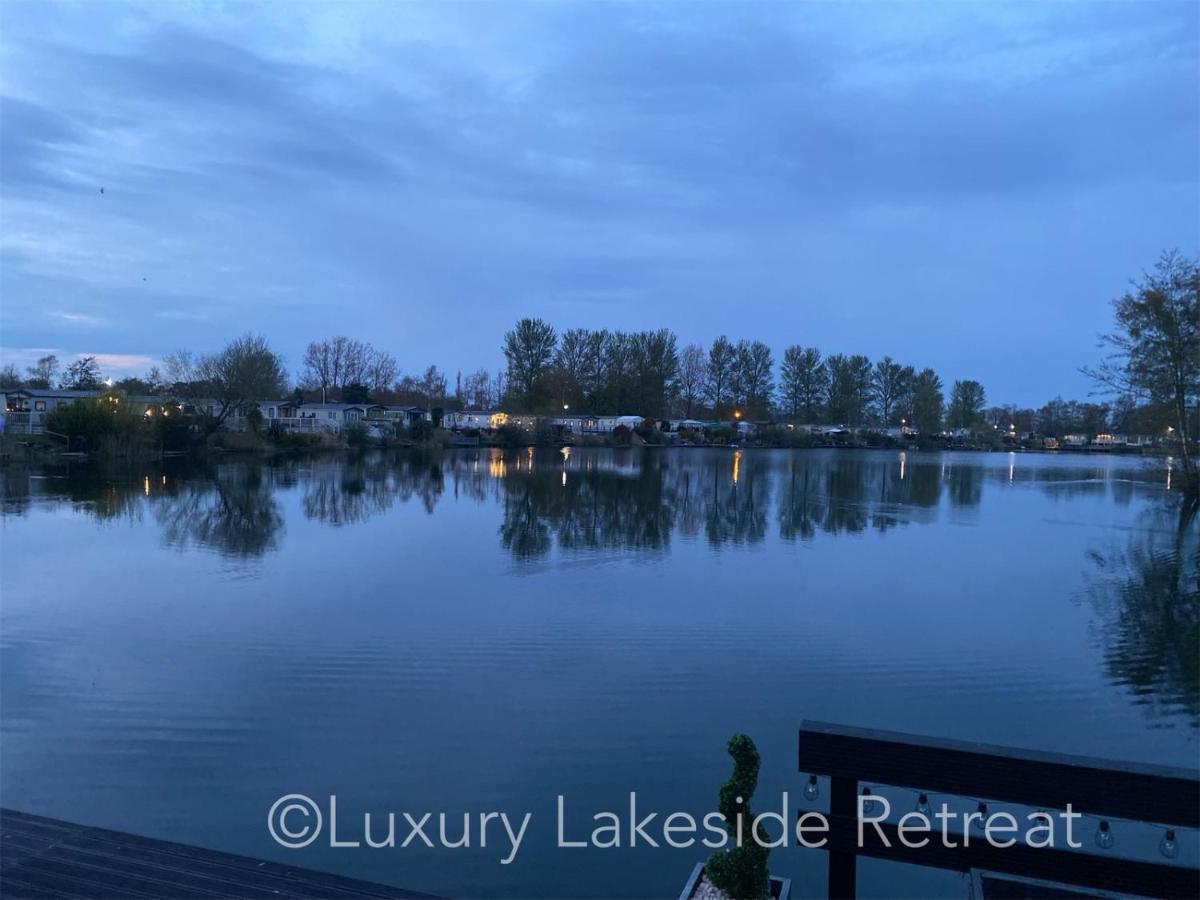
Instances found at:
x=738 y=872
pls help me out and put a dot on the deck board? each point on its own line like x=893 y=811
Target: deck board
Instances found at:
x=48 y=858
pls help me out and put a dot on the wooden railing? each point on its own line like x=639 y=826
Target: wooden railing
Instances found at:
x=853 y=758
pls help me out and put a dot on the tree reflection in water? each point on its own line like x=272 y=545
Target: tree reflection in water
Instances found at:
x=234 y=512
x=1146 y=592
x=1147 y=595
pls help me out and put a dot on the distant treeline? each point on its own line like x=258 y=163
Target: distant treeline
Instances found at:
x=1152 y=372
x=644 y=373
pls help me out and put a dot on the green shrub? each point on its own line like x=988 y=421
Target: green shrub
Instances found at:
x=740 y=871
x=647 y=430
x=783 y=436
x=254 y=419
x=107 y=420
x=356 y=435
x=420 y=431
x=723 y=434
x=511 y=436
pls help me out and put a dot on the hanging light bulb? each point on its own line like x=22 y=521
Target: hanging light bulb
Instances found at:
x=923 y=804
x=1167 y=846
x=869 y=807
x=811 y=791
x=978 y=823
x=1104 y=835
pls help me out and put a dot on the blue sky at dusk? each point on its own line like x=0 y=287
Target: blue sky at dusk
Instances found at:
x=962 y=186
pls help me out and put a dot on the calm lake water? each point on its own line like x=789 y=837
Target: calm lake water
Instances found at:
x=480 y=631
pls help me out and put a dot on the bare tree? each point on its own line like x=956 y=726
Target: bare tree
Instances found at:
x=247 y=369
x=43 y=372
x=433 y=386
x=718 y=372
x=477 y=390
x=338 y=362
x=692 y=367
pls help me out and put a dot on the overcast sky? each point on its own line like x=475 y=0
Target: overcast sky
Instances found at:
x=959 y=186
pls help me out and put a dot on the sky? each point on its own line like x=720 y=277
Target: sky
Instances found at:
x=961 y=186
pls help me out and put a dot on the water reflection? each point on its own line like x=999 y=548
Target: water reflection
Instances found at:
x=585 y=500
x=1147 y=594
x=234 y=512
x=939 y=594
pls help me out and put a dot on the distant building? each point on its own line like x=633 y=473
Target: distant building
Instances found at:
x=474 y=420
x=25 y=409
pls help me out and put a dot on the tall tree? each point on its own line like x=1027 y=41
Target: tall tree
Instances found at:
x=720 y=369
x=655 y=365
x=433 y=387
x=967 y=400
x=1155 y=346
x=927 y=402
x=10 y=377
x=803 y=383
x=860 y=380
x=839 y=401
x=82 y=375
x=380 y=370
x=477 y=392
x=751 y=381
x=887 y=386
x=692 y=366
x=245 y=370
x=43 y=373
x=849 y=388
x=333 y=364
x=528 y=349
x=570 y=363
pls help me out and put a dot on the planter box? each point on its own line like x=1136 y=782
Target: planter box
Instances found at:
x=781 y=888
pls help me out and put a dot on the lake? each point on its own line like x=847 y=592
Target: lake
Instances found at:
x=481 y=631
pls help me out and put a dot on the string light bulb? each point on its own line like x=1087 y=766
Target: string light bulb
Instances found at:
x=1104 y=835
x=979 y=822
x=923 y=804
x=811 y=791
x=1167 y=846
x=870 y=806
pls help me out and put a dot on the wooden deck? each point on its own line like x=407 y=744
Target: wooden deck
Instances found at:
x=42 y=857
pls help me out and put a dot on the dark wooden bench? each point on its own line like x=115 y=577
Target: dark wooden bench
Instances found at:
x=854 y=757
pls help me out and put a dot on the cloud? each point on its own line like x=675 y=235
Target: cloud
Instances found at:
x=121 y=363
x=77 y=318
x=976 y=177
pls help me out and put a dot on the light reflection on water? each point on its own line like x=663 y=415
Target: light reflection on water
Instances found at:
x=478 y=631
